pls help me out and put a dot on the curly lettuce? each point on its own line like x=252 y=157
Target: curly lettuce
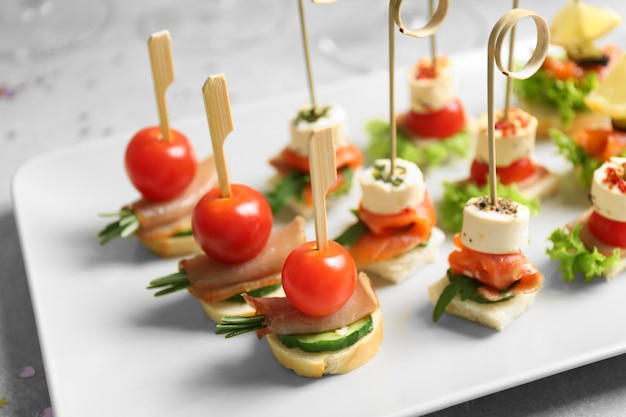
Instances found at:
x=456 y=194
x=584 y=163
x=566 y=96
x=574 y=257
x=431 y=154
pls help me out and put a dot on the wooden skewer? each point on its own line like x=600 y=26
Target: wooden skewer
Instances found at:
x=433 y=37
x=160 y=49
x=323 y=174
x=307 y=54
x=217 y=106
x=436 y=20
x=509 y=80
x=494 y=56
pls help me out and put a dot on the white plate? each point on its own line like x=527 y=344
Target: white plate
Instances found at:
x=111 y=348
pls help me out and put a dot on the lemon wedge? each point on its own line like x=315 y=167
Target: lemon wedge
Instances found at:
x=580 y=23
x=610 y=96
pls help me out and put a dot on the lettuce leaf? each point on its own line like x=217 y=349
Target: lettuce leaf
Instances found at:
x=456 y=194
x=585 y=165
x=432 y=153
x=574 y=257
x=567 y=96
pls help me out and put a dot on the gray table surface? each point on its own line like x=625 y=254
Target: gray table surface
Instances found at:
x=78 y=95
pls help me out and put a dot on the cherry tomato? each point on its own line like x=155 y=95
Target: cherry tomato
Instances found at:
x=607 y=230
x=516 y=172
x=160 y=169
x=439 y=124
x=233 y=229
x=319 y=282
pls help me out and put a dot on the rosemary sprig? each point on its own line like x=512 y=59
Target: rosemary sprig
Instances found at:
x=232 y=326
x=170 y=283
x=127 y=224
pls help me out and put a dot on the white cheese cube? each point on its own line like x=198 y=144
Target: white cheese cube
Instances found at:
x=430 y=94
x=383 y=194
x=606 y=197
x=511 y=145
x=495 y=229
x=301 y=130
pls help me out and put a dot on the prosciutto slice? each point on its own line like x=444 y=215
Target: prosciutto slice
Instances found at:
x=281 y=317
x=155 y=217
x=209 y=277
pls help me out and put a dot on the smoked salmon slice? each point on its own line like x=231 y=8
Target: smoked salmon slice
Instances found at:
x=286 y=160
x=497 y=271
x=601 y=143
x=392 y=235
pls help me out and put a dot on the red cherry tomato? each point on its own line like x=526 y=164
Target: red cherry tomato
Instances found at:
x=233 y=229
x=514 y=173
x=160 y=169
x=318 y=282
x=607 y=230
x=440 y=124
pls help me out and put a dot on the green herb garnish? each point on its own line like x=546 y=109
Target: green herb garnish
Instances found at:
x=127 y=224
x=232 y=326
x=465 y=287
x=292 y=185
x=352 y=233
x=575 y=257
x=170 y=283
x=311 y=115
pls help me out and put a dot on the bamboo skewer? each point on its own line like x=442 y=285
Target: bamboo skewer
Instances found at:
x=307 y=54
x=494 y=56
x=160 y=49
x=395 y=16
x=217 y=107
x=323 y=174
x=509 y=81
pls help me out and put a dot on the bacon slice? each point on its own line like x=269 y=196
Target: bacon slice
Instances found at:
x=281 y=317
x=157 y=218
x=497 y=272
x=212 y=280
x=393 y=235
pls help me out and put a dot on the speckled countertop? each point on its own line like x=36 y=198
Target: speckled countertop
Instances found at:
x=101 y=87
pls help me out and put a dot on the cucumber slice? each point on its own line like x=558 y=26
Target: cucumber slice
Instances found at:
x=259 y=292
x=329 y=341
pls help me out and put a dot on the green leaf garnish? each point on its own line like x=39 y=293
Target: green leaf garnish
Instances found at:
x=289 y=186
x=127 y=224
x=456 y=194
x=429 y=153
x=351 y=234
x=312 y=114
x=567 y=96
x=574 y=257
x=292 y=185
x=466 y=288
x=170 y=283
x=232 y=326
